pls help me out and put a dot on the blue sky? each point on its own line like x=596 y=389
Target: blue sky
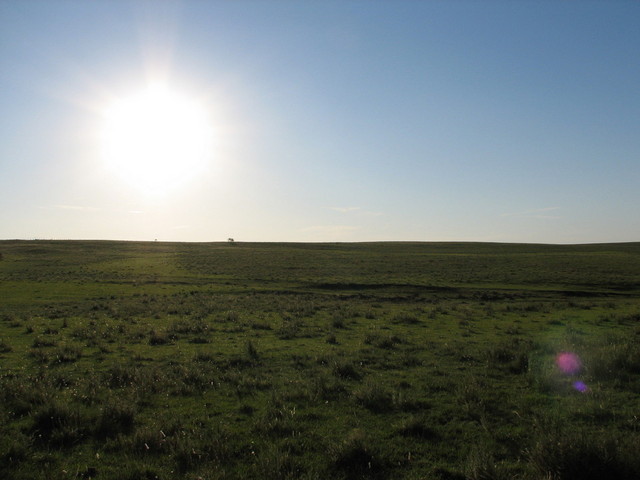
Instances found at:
x=511 y=121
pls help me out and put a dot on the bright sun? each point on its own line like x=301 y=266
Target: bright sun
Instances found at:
x=156 y=140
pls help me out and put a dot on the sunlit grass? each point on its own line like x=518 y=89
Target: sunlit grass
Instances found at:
x=368 y=361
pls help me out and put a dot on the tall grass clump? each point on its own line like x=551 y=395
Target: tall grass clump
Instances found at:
x=405 y=319
x=346 y=370
x=5 y=347
x=613 y=358
x=116 y=417
x=375 y=398
x=291 y=327
x=278 y=462
x=251 y=351
x=417 y=426
x=569 y=455
x=356 y=457
x=158 y=338
x=20 y=396
x=58 y=424
x=481 y=465
x=512 y=356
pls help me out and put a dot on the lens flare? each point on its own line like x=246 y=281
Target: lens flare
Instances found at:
x=581 y=387
x=569 y=363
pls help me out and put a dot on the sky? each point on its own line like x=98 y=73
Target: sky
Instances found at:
x=320 y=121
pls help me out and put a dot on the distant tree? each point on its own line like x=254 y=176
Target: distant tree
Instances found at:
x=231 y=240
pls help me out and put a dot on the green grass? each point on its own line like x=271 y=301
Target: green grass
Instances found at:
x=124 y=360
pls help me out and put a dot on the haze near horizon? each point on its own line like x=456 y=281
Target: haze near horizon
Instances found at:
x=320 y=121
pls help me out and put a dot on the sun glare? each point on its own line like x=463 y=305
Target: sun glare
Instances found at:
x=156 y=140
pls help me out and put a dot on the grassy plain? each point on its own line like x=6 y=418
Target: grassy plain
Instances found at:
x=123 y=360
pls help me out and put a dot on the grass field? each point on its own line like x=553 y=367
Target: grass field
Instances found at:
x=123 y=360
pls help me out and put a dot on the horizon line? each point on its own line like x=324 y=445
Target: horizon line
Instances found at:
x=344 y=242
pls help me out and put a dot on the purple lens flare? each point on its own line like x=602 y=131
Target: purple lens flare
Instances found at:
x=569 y=363
x=581 y=387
